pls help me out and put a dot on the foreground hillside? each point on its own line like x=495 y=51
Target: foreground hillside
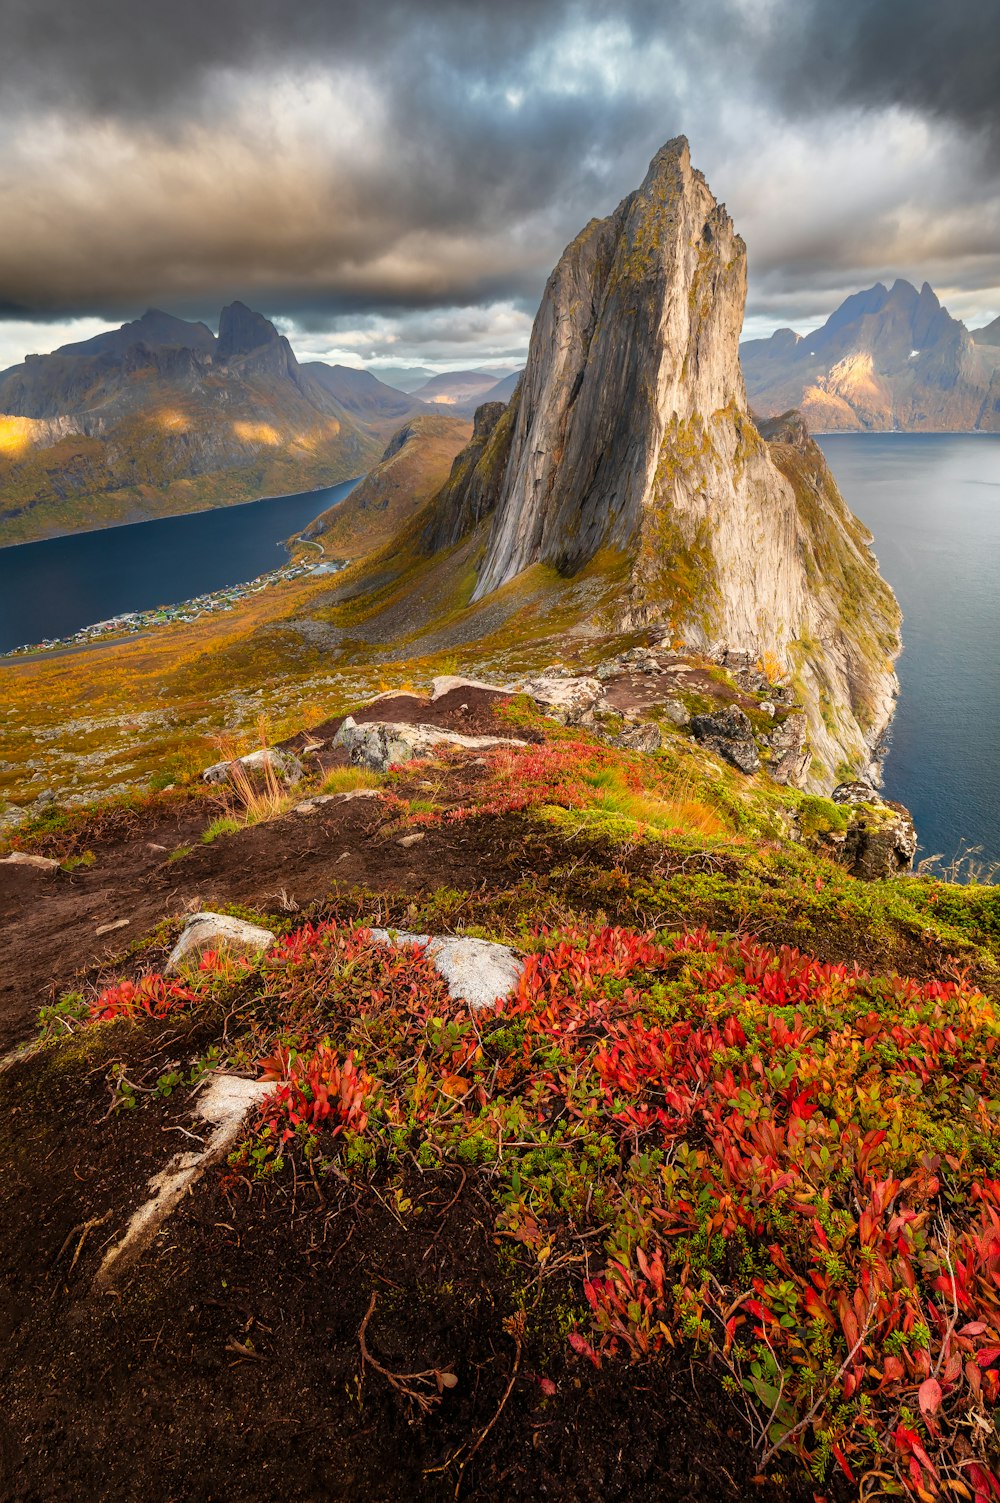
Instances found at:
x=704 y=1209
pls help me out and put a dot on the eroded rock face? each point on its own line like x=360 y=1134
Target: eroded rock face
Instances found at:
x=630 y=430
x=881 y=839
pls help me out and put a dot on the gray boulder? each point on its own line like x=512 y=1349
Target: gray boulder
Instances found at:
x=566 y=699
x=287 y=767
x=216 y=931
x=789 y=749
x=28 y=858
x=643 y=738
x=477 y=971
x=379 y=744
x=730 y=735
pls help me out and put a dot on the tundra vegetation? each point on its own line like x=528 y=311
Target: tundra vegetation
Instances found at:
x=741 y=1111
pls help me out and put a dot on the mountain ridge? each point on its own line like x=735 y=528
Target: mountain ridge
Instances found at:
x=161 y=416
x=888 y=358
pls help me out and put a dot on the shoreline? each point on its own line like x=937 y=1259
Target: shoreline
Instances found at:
x=213 y=602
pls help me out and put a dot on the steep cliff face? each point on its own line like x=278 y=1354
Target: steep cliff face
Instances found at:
x=630 y=430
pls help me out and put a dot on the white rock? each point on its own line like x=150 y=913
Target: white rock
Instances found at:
x=223 y=1105
x=477 y=971
x=380 y=744
x=216 y=931
x=287 y=767
x=26 y=858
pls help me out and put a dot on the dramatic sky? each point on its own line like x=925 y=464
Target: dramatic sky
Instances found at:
x=393 y=179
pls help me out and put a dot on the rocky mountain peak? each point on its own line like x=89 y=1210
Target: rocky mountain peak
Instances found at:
x=630 y=432
x=154 y=330
x=241 y=331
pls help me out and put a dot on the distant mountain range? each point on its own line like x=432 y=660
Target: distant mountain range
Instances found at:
x=163 y=416
x=889 y=358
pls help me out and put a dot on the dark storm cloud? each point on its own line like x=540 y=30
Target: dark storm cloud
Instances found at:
x=939 y=57
x=187 y=152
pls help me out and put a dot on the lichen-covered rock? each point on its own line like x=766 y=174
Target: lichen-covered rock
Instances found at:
x=477 y=971
x=216 y=931
x=381 y=744
x=565 y=698
x=881 y=838
x=643 y=738
x=729 y=733
x=256 y=764
x=789 y=748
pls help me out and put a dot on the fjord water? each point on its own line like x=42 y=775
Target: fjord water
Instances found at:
x=54 y=587
x=932 y=501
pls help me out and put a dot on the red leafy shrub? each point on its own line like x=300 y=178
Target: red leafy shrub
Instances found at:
x=151 y=996
x=794 y=1166
x=318 y=1090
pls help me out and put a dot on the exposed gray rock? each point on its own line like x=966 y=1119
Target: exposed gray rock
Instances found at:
x=675 y=711
x=789 y=749
x=446 y=682
x=286 y=766
x=643 y=738
x=881 y=839
x=476 y=970
x=216 y=931
x=729 y=733
x=856 y=792
x=565 y=698
x=28 y=858
x=381 y=744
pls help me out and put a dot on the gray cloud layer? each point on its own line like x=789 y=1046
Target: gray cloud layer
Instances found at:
x=343 y=162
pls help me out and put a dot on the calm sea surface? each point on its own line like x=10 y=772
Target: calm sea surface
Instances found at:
x=52 y=588
x=933 y=503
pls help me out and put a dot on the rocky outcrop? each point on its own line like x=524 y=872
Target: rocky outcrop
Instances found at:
x=729 y=733
x=380 y=744
x=472 y=490
x=889 y=358
x=630 y=431
x=880 y=839
x=206 y=932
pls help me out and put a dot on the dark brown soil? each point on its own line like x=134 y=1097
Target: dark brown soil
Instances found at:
x=228 y=1366
x=471 y=712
